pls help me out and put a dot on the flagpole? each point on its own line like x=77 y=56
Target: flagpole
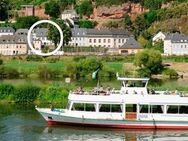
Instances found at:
x=98 y=87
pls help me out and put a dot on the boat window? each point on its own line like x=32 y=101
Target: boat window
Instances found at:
x=157 y=108
x=144 y=108
x=104 y=108
x=172 y=109
x=78 y=107
x=83 y=107
x=116 y=108
x=89 y=107
x=110 y=108
x=183 y=109
x=134 y=83
x=130 y=107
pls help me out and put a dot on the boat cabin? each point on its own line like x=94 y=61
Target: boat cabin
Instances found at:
x=134 y=85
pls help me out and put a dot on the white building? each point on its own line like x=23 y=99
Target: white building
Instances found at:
x=160 y=36
x=109 y=38
x=22 y=31
x=41 y=34
x=176 y=44
x=6 y=31
x=69 y=14
x=13 y=45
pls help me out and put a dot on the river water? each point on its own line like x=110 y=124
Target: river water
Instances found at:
x=24 y=123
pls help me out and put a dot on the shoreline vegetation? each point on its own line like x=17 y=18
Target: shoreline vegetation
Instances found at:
x=76 y=68
x=60 y=67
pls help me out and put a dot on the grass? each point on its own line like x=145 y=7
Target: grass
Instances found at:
x=32 y=66
x=116 y=66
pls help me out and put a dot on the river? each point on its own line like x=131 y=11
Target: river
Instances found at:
x=24 y=123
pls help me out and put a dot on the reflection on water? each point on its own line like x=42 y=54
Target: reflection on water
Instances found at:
x=23 y=123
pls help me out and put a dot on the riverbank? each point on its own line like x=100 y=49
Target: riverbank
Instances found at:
x=56 y=92
x=62 y=66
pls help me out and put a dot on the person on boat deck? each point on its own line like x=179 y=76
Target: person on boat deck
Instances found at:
x=108 y=90
x=126 y=84
x=51 y=107
x=101 y=89
x=79 y=90
x=134 y=92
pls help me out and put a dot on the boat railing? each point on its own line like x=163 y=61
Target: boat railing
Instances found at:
x=177 y=93
x=105 y=93
x=117 y=92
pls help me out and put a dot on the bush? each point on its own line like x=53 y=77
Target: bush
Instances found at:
x=1 y=61
x=6 y=90
x=53 y=94
x=45 y=73
x=170 y=72
x=87 y=24
x=34 y=58
x=11 y=73
x=8 y=72
x=26 y=93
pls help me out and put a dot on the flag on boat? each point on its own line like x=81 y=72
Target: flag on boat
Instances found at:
x=94 y=74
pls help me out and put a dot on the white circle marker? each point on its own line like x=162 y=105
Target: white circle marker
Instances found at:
x=29 y=38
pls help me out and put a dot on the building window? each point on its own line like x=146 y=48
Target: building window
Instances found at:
x=119 y=40
x=122 y=40
x=94 y=41
x=104 y=40
x=90 y=40
x=108 y=40
x=99 y=40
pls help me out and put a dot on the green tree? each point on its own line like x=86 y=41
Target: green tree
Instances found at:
x=1 y=61
x=149 y=62
x=53 y=33
x=127 y=22
x=85 y=8
x=141 y=23
x=152 y=4
x=87 y=24
x=25 y=22
x=151 y=16
x=4 y=7
x=65 y=3
x=88 y=66
x=158 y=46
x=52 y=8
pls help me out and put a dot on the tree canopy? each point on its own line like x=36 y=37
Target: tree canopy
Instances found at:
x=25 y=22
x=85 y=8
x=52 y=8
x=4 y=7
x=149 y=62
x=87 y=24
x=53 y=33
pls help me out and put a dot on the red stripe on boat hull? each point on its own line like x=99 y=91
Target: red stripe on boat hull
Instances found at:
x=118 y=126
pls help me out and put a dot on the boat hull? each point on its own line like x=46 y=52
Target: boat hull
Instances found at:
x=120 y=126
x=57 y=118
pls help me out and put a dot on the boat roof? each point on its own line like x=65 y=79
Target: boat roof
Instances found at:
x=134 y=79
x=134 y=99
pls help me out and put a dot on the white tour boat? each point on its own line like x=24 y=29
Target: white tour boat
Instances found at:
x=133 y=106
